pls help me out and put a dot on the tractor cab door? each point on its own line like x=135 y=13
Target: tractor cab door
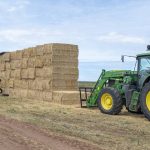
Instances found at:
x=143 y=69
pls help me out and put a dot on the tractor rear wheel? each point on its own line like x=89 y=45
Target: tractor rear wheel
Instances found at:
x=145 y=100
x=109 y=101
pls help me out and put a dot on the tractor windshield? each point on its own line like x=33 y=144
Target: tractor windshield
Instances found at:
x=144 y=64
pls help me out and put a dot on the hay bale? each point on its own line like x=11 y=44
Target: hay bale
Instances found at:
x=6 y=57
x=31 y=73
x=7 y=65
x=47 y=49
x=12 y=74
x=38 y=85
x=24 y=74
x=11 y=83
x=38 y=62
x=47 y=85
x=3 y=83
x=13 y=55
x=13 y=65
x=7 y=74
x=3 y=66
x=23 y=93
x=47 y=96
x=66 y=97
x=17 y=73
x=18 y=64
x=32 y=84
x=40 y=50
x=18 y=55
x=33 y=52
x=47 y=60
x=31 y=63
x=24 y=63
x=26 y=53
x=22 y=84
x=35 y=95
x=45 y=72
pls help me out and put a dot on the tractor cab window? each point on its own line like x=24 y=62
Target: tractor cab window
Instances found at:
x=144 y=64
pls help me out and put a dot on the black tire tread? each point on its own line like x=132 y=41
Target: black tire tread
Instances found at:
x=144 y=109
x=117 y=107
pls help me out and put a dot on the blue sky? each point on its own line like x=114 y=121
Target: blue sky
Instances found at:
x=103 y=29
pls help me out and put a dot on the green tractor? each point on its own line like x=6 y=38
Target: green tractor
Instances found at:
x=118 y=88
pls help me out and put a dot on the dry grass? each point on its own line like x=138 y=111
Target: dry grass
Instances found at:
x=124 y=131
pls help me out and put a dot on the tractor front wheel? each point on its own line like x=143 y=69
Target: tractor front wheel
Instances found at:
x=109 y=101
x=145 y=100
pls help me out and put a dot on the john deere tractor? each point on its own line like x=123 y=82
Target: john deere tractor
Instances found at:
x=115 y=89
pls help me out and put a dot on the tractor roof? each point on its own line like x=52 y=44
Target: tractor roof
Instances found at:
x=143 y=54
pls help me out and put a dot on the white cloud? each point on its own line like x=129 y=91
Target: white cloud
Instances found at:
x=114 y=37
x=28 y=35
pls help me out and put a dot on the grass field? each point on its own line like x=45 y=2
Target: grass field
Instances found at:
x=124 y=131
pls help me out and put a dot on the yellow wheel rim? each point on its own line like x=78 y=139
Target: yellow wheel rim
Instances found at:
x=148 y=100
x=106 y=101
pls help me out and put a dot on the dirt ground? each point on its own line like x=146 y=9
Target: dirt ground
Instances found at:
x=32 y=124
x=15 y=135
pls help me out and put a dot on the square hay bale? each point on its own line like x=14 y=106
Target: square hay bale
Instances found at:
x=3 y=83
x=38 y=85
x=7 y=65
x=18 y=64
x=66 y=97
x=18 y=55
x=31 y=63
x=40 y=50
x=11 y=83
x=31 y=73
x=39 y=62
x=12 y=74
x=26 y=53
x=33 y=51
x=70 y=98
x=39 y=72
x=24 y=84
x=47 y=49
x=13 y=55
x=45 y=72
x=2 y=74
x=24 y=63
x=57 y=96
x=47 y=60
x=13 y=65
x=23 y=93
x=32 y=84
x=35 y=95
x=46 y=85
x=17 y=74
x=47 y=96
x=24 y=74
x=2 y=66
x=6 y=57
x=7 y=74
x=17 y=84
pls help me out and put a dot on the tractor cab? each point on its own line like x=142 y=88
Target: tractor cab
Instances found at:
x=143 y=69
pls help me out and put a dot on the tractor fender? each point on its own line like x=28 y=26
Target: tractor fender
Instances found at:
x=146 y=81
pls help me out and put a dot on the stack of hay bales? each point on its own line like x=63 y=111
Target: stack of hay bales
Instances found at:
x=38 y=72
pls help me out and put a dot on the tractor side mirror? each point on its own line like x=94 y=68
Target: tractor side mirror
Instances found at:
x=122 y=58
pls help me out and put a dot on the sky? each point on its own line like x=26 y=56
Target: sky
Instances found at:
x=103 y=29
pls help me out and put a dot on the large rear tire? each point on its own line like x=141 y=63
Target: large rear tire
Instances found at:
x=145 y=100
x=109 y=101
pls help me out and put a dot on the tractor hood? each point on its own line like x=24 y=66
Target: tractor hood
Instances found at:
x=119 y=73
